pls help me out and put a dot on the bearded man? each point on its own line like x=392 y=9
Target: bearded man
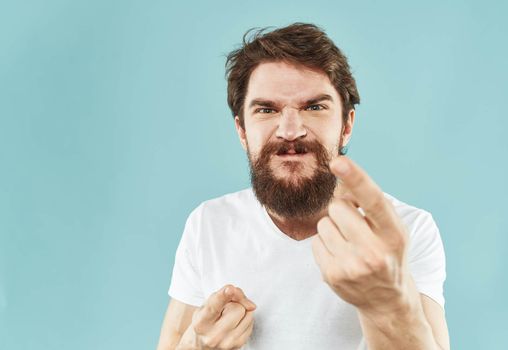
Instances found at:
x=314 y=255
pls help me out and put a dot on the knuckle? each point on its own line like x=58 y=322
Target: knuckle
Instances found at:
x=331 y=275
x=211 y=341
x=199 y=328
x=398 y=241
x=378 y=202
x=376 y=263
x=209 y=309
x=221 y=290
x=355 y=179
x=352 y=273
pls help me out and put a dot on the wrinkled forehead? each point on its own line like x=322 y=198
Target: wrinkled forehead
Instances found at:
x=287 y=83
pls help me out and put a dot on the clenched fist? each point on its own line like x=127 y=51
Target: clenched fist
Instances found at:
x=224 y=322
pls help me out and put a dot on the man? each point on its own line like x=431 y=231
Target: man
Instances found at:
x=314 y=255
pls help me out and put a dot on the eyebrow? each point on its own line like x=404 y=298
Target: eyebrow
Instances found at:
x=271 y=104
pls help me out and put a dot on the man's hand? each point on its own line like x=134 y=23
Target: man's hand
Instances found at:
x=225 y=321
x=363 y=257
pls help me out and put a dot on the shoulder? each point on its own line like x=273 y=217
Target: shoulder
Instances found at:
x=419 y=222
x=230 y=202
x=226 y=206
x=410 y=214
x=221 y=219
x=424 y=235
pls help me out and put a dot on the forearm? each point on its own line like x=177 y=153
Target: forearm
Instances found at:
x=407 y=329
x=169 y=340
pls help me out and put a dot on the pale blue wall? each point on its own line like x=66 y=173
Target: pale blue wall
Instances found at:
x=114 y=126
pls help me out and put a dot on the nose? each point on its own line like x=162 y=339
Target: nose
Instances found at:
x=290 y=125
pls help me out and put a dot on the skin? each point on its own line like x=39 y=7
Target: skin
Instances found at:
x=363 y=258
x=288 y=88
x=224 y=321
x=374 y=276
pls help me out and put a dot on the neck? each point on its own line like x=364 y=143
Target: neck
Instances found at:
x=300 y=228
x=297 y=228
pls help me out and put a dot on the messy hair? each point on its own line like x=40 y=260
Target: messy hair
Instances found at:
x=301 y=44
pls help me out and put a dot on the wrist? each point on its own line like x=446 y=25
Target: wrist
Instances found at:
x=189 y=340
x=403 y=309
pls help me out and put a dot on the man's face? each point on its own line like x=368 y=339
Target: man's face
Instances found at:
x=293 y=128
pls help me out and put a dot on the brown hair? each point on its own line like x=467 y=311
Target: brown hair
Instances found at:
x=299 y=43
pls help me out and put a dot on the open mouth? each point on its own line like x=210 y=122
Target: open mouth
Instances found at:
x=292 y=153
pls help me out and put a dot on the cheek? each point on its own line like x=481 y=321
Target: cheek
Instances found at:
x=257 y=137
x=327 y=135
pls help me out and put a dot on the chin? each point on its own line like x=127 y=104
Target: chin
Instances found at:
x=293 y=171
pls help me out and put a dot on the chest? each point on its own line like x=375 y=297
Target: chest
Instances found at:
x=295 y=308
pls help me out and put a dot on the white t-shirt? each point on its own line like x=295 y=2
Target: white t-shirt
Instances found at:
x=232 y=239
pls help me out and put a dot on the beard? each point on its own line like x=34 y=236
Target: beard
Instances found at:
x=294 y=196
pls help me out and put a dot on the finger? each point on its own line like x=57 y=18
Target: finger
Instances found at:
x=231 y=317
x=366 y=192
x=238 y=340
x=216 y=302
x=347 y=196
x=331 y=237
x=321 y=254
x=349 y=222
x=242 y=339
x=245 y=323
x=239 y=296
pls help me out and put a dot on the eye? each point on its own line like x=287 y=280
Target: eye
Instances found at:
x=265 y=110
x=315 y=108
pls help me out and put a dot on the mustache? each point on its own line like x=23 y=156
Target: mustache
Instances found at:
x=301 y=199
x=299 y=146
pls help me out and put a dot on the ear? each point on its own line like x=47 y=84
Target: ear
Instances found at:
x=241 y=133
x=348 y=127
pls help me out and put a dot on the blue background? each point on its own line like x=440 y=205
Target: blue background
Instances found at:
x=114 y=126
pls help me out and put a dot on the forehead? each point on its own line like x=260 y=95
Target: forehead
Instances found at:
x=285 y=82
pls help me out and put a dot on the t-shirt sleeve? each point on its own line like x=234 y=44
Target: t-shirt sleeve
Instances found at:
x=185 y=283
x=427 y=258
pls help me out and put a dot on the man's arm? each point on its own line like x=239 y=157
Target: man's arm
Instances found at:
x=436 y=317
x=177 y=319
x=225 y=321
x=422 y=328
x=363 y=258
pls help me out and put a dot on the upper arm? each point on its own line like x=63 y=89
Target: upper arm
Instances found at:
x=435 y=315
x=177 y=319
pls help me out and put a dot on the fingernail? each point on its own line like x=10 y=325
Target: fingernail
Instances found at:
x=341 y=166
x=227 y=290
